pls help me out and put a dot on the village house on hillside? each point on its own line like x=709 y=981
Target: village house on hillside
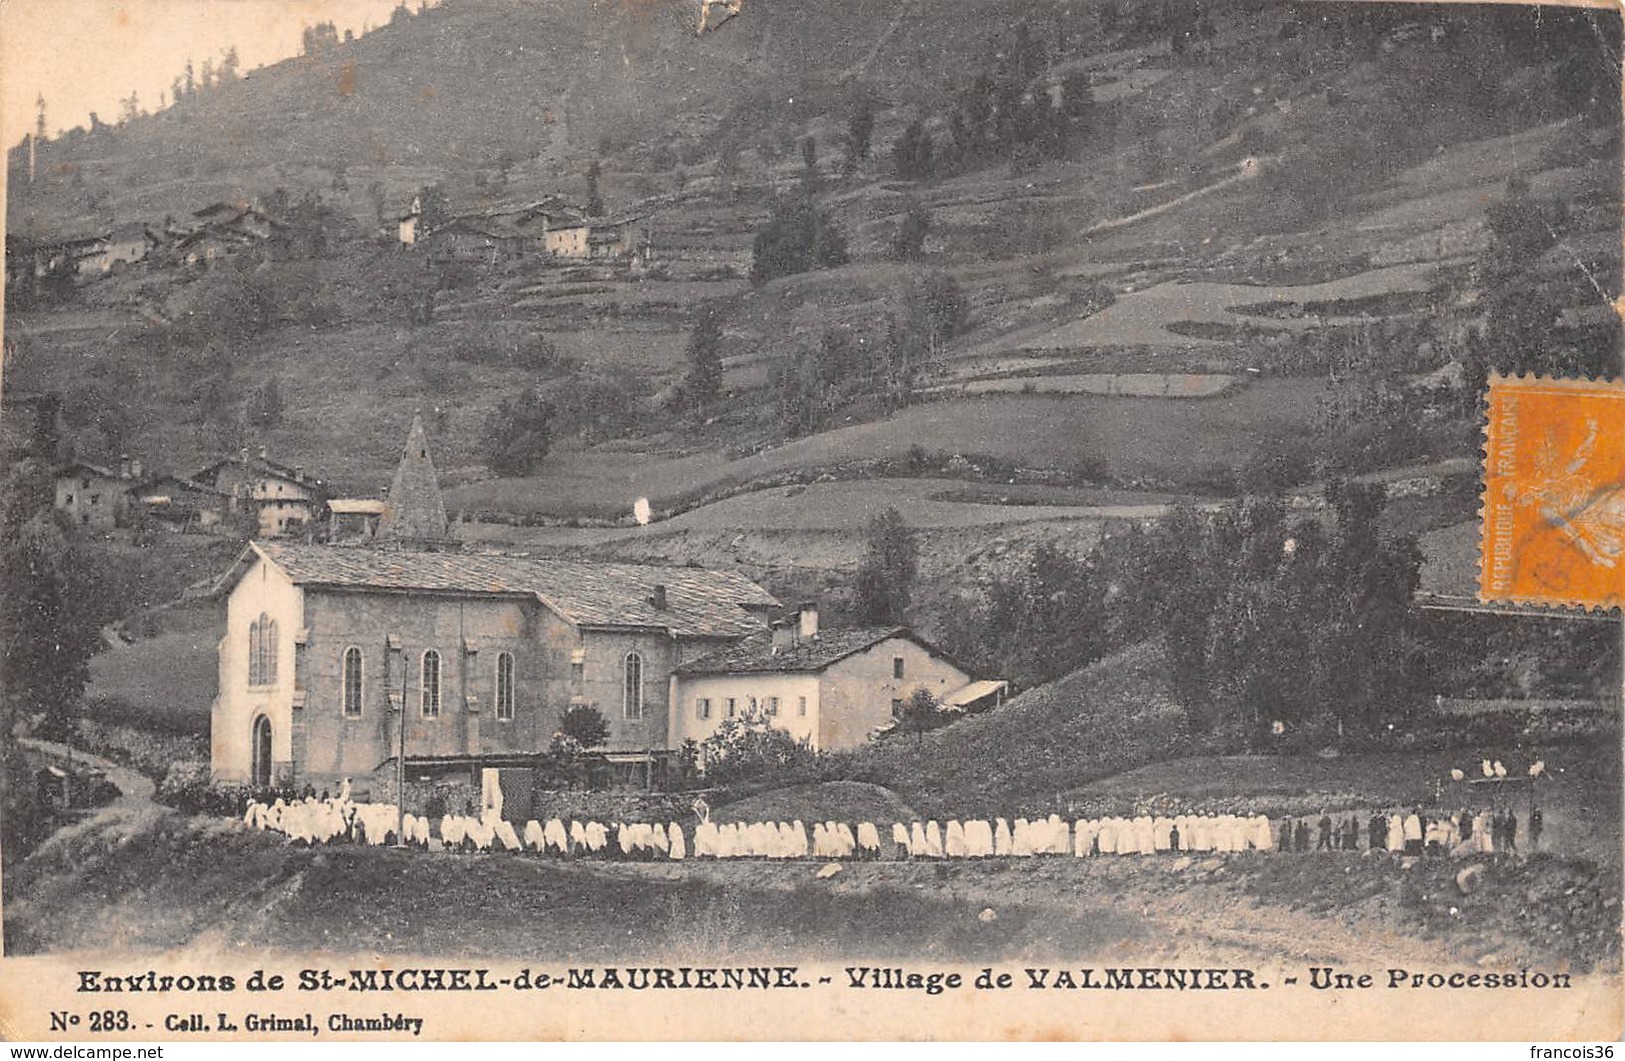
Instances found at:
x=127 y=244
x=185 y=505
x=94 y=497
x=549 y=228
x=835 y=689
x=282 y=499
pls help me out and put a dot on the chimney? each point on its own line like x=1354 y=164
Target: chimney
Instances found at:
x=123 y=465
x=135 y=469
x=784 y=636
x=658 y=597
x=808 y=621
x=298 y=473
x=264 y=453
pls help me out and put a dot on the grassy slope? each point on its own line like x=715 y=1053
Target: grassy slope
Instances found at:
x=412 y=103
x=848 y=801
x=1101 y=720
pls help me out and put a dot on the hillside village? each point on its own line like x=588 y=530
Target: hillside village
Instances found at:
x=877 y=415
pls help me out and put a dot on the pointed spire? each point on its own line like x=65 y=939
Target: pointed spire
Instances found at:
x=414 y=511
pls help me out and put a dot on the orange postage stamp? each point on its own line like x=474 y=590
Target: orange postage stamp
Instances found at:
x=1554 y=493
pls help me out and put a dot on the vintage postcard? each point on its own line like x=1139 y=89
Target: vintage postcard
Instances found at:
x=755 y=519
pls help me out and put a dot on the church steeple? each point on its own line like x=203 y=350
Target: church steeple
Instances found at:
x=414 y=511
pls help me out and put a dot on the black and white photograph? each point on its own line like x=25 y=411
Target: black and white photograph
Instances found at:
x=698 y=516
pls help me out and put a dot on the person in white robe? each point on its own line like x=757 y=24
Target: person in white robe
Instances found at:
x=979 y=838
x=1413 y=832
x=933 y=839
x=847 y=844
x=916 y=839
x=676 y=847
x=1051 y=830
x=869 y=839
x=1003 y=844
x=1396 y=833
x=953 y=844
x=1261 y=832
x=1021 y=839
x=899 y=837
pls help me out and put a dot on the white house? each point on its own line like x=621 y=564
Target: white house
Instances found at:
x=834 y=688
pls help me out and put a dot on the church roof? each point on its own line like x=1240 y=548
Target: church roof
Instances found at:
x=414 y=510
x=756 y=654
x=698 y=602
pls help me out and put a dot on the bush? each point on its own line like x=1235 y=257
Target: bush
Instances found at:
x=796 y=238
x=750 y=747
x=518 y=435
x=187 y=788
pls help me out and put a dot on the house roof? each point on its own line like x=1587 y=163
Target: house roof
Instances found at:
x=488 y=227
x=83 y=466
x=755 y=654
x=345 y=506
x=132 y=230
x=974 y=691
x=264 y=466
x=699 y=603
x=182 y=481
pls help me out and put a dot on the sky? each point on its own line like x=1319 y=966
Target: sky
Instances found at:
x=87 y=55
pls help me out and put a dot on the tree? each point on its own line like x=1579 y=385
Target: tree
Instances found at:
x=264 y=407
x=920 y=712
x=797 y=237
x=191 y=76
x=434 y=208
x=909 y=244
x=595 y=202
x=728 y=169
x=206 y=78
x=227 y=70
x=375 y=196
x=860 y=133
x=702 y=384
x=129 y=108
x=518 y=434
x=885 y=578
x=585 y=725
x=39 y=117
x=49 y=626
x=912 y=156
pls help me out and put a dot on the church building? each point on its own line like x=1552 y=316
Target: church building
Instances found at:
x=328 y=647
